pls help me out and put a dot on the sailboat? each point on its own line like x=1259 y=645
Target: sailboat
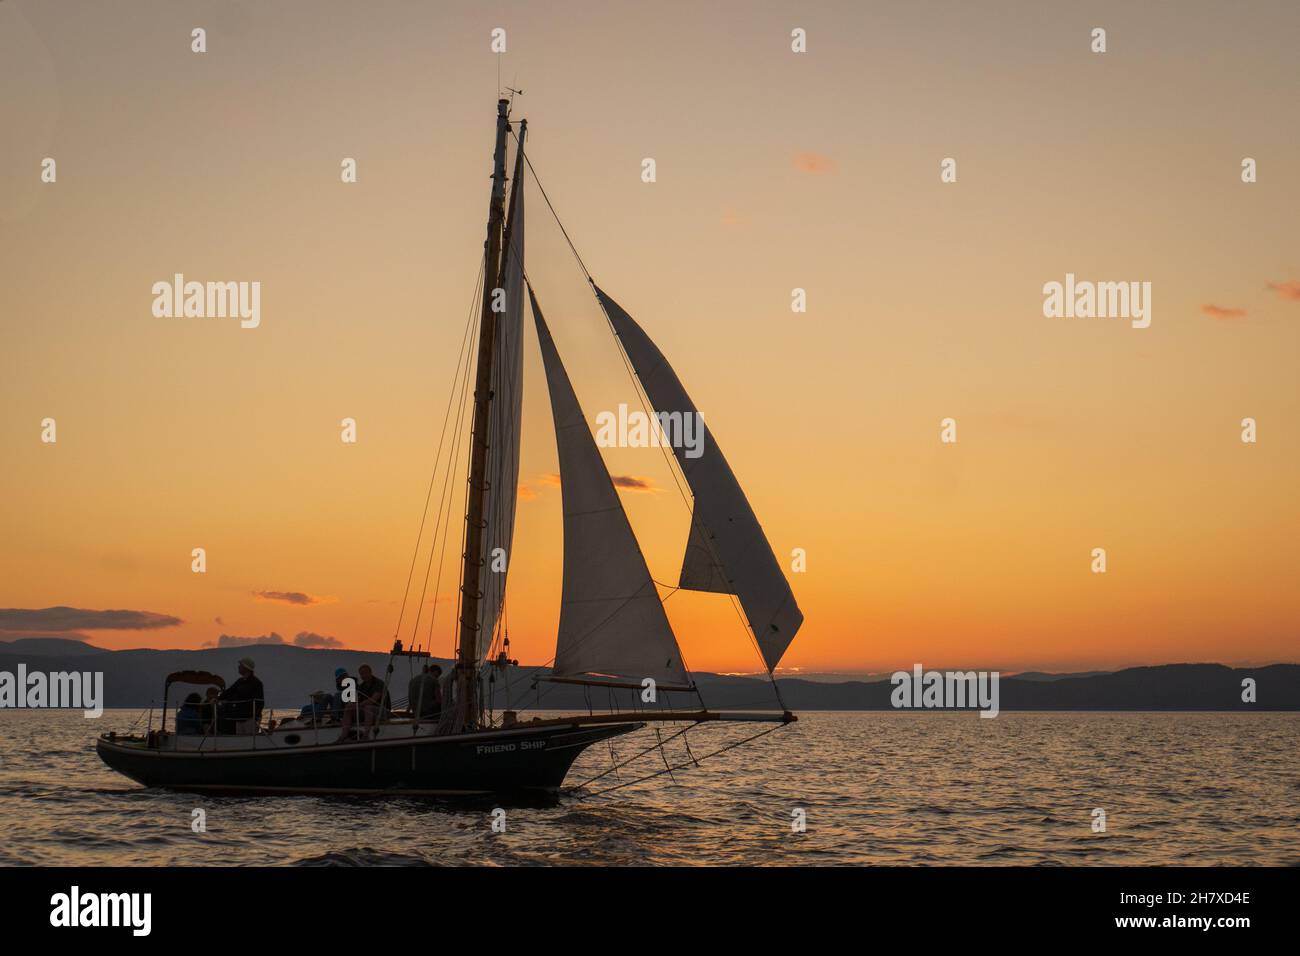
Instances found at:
x=612 y=632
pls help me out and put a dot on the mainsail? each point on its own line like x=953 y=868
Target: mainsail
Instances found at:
x=503 y=427
x=726 y=550
x=612 y=623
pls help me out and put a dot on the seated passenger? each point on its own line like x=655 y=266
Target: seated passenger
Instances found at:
x=319 y=708
x=372 y=703
x=189 y=716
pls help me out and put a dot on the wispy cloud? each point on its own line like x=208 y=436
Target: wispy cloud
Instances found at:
x=300 y=598
x=77 y=619
x=633 y=483
x=1222 y=312
x=1287 y=289
x=526 y=491
x=815 y=164
x=550 y=479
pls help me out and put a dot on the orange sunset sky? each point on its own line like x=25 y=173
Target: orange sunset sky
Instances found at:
x=775 y=170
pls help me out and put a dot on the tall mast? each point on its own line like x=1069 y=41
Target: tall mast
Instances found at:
x=471 y=578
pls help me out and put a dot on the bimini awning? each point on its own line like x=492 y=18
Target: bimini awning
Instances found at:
x=194 y=677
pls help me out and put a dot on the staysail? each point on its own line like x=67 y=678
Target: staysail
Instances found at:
x=612 y=623
x=726 y=550
x=504 y=426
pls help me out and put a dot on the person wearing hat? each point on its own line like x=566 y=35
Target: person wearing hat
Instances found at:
x=242 y=702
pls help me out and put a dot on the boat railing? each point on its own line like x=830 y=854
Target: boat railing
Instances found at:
x=314 y=718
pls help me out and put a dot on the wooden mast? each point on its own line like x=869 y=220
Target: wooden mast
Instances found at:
x=466 y=699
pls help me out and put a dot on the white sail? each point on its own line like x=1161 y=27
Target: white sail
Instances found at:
x=504 y=430
x=612 y=623
x=727 y=550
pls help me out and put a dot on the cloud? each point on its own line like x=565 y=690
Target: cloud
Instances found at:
x=731 y=217
x=815 y=164
x=633 y=483
x=61 y=618
x=550 y=479
x=526 y=492
x=300 y=598
x=233 y=640
x=1222 y=312
x=1288 y=289
x=308 y=639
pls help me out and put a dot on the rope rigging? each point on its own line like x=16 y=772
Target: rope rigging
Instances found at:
x=669 y=769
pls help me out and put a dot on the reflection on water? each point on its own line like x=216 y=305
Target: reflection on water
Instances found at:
x=877 y=788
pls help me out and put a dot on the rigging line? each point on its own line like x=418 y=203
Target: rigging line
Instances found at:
x=667 y=766
x=445 y=498
x=574 y=249
x=415 y=629
x=451 y=397
x=440 y=525
x=686 y=742
x=451 y=491
x=660 y=773
x=636 y=756
x=444 y=506
x=613 y=758
x=464 y=538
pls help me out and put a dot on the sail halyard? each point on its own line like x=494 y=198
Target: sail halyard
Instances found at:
x=612 y=622
x=727 y=550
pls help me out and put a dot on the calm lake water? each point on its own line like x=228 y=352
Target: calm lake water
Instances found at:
x=876 y=788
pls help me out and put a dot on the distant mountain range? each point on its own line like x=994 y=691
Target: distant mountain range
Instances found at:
x=134 y=678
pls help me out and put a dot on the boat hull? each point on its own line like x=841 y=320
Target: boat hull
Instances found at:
x=525 y=761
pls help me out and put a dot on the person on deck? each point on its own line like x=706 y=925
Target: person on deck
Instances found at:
x=372 y=702
x=189 y=716
x=318 y=708
x=242 y=702
x=426 y=693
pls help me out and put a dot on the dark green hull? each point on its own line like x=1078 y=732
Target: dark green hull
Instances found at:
x=522 y=761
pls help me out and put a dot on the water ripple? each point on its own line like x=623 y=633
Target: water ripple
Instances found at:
x=884 y=788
